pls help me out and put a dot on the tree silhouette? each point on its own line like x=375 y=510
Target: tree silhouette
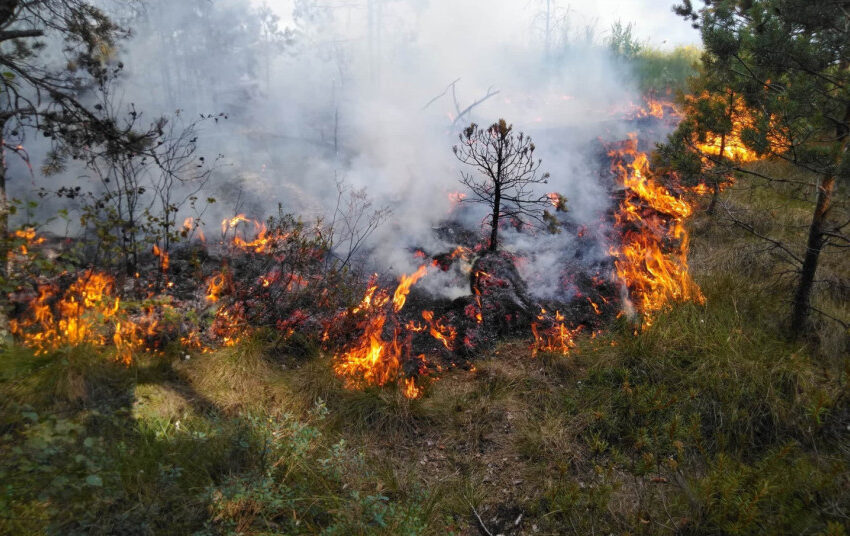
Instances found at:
x=506 y=174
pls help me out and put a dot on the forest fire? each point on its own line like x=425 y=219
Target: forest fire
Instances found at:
x=390 y=342
x=650 y=217
x=371 y=360
x=728 y=145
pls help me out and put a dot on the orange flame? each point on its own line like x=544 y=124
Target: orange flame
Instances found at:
x=443 y=333
x=403 y=289
x=84 y=314
x=216 y=286
x=558 y=338
x=163 y=258
x=190 y=224
x=730 y=145
x=263 y=241
x=371 y=360
x=650 y=217
x=29 y=239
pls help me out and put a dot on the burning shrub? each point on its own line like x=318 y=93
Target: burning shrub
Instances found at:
x=84 y=311
x=280 y=276
x=378 y=357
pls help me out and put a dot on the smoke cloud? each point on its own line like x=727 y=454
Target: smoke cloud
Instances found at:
x=341 y=91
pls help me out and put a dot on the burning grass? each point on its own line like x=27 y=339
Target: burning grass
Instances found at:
x=703 y=421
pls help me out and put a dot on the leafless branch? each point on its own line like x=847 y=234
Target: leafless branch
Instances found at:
x=750 y=229
x=441 y=95
x=490 y=94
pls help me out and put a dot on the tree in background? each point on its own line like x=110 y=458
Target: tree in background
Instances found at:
x=655 y=71
x=38 y=94
x=788 y=63
x=506 y=174
x=52 y=53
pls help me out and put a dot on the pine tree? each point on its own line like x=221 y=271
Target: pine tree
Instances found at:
x=506 y=174
x=787 y=63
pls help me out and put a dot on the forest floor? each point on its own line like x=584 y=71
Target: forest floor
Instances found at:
x=709 y=421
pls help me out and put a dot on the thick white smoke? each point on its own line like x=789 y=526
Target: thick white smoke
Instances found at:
x=338 y=90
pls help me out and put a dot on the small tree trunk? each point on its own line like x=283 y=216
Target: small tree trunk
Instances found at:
x=802 y=297
x=712 y=207
x=4 y=235
x=497 y=207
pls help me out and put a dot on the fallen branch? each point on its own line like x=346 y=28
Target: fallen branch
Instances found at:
x=18 y=34
x=480 y=521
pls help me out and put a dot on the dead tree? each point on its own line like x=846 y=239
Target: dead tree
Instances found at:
x=506 y=174
x=461 y=113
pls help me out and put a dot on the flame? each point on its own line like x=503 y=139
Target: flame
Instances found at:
x=29 y=238
x=558 y=338
x=263 y=241
x=410 y=389
x=650 y=218
x=456 y=198
x=371 y=360
x=216 y=286
x=731 y=144
x=190 y=224
x=163 y=258
x=229 y=324
x=192 y=341
x=85 y=313
x=652 y=108
x=403 y=289
x=443 y=333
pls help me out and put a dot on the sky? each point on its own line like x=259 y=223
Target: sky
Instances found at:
x=654 y=19
x=655 y=22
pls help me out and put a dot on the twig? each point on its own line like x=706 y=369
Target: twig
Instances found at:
x=438 y=97
x=844 y=324
x=750 y=229
x=480 y=521
x=490 y=93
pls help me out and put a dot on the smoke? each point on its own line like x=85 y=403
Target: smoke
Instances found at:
x=338 y=91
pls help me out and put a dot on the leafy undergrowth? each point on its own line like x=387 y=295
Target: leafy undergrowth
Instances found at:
x=708 y=422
